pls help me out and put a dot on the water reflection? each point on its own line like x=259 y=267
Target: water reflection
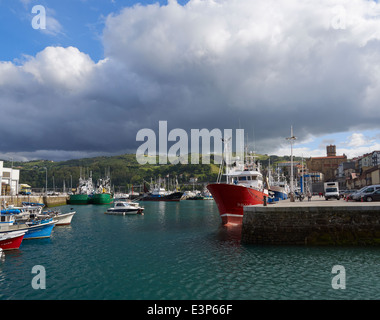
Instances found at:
x=229 y=233
x=178 y=251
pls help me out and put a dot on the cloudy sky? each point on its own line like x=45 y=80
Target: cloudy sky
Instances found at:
x=102 y=70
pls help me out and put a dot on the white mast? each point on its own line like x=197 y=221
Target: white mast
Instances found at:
x=291 y=138
x=303 y=177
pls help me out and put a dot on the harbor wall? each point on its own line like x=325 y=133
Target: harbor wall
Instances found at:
x=312 y=225
x=48 y=201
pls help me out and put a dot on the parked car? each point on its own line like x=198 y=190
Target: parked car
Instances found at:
x=347 y=194
x=364 y=191
x=374 y=196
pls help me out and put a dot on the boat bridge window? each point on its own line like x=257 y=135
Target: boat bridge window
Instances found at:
x=5 y=218
x=247 y=178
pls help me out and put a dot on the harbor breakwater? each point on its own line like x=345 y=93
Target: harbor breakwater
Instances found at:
x=48 y=201
x=317 y=222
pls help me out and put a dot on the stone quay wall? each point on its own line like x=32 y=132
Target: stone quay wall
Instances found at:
x=49 y=201
x=312 y=225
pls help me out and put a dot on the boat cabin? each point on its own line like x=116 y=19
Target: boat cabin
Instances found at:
x=121 y=204
x=159 y=192
x=252 y=179
x=6 y=220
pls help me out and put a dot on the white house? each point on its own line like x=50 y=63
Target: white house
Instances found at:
x=10 y=177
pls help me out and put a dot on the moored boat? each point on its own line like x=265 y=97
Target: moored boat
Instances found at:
x=244 y=186
x=62 y=219
x=34 y=229
x=83 y=192
x=102 y=198
x=207 y=195
x=197 y=196
x=103 y=193
x=125 y=208
x=278 y=187
x=158 y=196
x=38 y=229
x=11 y=240
x=31 y=211
x=159 y=193
x=79 y=199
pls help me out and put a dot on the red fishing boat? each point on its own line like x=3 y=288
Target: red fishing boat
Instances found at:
x=11 y=240
x=244 y=186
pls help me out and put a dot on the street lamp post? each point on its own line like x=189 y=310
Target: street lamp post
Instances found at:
x=45 y=181
x=291 y=139
x=11 y=178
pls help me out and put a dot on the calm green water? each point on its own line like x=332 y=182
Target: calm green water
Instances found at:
x=178 y=251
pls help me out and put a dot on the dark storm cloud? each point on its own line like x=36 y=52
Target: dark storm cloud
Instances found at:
x=257 y=65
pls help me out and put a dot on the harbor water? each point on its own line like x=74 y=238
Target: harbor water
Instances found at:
x=178 y=251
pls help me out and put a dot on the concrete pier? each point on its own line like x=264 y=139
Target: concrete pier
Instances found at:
x=316 y=222
x=48 y=201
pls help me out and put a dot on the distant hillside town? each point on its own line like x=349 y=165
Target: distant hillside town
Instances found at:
x=350 y=174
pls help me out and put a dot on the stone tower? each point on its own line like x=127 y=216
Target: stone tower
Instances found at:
x=331 y=150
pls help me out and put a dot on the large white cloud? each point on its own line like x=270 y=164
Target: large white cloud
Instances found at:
x=64 y=68
x=272 y=57
x=261 y=64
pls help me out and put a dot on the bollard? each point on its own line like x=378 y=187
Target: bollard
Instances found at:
x=265 y=201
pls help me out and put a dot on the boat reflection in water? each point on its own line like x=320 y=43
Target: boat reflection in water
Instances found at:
x=229 y=233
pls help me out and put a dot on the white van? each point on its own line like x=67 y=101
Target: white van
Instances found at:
x=331 y=190
x=365 y=190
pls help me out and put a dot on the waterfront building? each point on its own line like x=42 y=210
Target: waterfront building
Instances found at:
x=9 y=180
x=328 y=164
x=373 y=175
x=368 y=160
x=344 y=173
x=285 y=167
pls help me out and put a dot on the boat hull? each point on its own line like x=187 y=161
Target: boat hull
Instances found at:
x=175 y=196
x=102 y=198
x=13 y=242
x=124 y=212
x=38 y=231
x=79 y=199
x=278 y=195
x=64 y=218
x=231 y=200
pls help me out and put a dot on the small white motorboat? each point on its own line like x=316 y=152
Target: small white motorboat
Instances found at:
x=62 y=218
x=125 y=208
